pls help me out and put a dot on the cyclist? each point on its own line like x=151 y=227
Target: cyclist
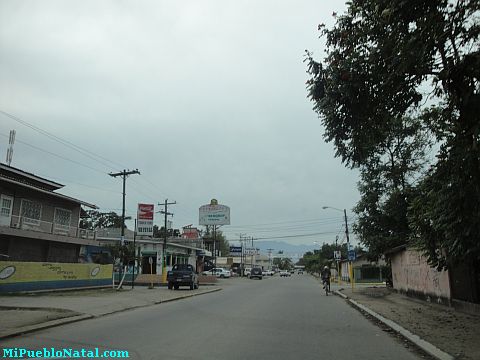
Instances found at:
x=326 y=274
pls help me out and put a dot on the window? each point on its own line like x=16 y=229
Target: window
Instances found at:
x=6 y=206
x=62 y=217
x=31 y=212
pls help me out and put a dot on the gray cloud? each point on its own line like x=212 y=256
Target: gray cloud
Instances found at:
x=207 y=99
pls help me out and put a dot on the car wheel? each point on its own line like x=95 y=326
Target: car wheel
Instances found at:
x=176 y=286
x=170 y=286
x=192 y=286
x=197 y=285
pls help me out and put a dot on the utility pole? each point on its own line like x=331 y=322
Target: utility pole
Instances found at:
x=242 y=265
x=252 y=254
x=166 y=213
x=352 y=280
x=270 y=257
x=11 y=141
x=124 y=174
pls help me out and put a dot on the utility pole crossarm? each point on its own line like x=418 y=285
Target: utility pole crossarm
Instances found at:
x=124 y=174
x=165 y=235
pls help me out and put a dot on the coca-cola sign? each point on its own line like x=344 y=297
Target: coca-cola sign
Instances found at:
x=145 y=219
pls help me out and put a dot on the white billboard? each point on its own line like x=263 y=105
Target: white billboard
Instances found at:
x=214 y=214
x=251 y=251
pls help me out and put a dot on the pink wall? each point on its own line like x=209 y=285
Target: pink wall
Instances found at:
x=410 y=272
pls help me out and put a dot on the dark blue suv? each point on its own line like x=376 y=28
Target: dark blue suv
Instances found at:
x=256 y=273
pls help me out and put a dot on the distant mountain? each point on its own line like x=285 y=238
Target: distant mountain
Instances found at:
x=289 y=250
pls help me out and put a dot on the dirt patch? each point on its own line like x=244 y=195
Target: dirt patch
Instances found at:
x=452 y=331
x=13 y=318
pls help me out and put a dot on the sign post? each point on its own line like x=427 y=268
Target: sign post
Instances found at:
x=150 y=261
x=145 y=219
x=337 y=255
x=351 y=257
x=214 y=215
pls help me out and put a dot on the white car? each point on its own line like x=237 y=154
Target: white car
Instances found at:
x=285 y=273
x=267 y=272
x=219 y=272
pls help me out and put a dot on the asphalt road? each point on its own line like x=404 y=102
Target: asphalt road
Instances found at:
x=275 y=318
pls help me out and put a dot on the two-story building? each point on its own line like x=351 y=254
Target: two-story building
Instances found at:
x=39 y=231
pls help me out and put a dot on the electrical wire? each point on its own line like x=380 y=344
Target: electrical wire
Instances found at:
x=64 y=142
x=56 y=155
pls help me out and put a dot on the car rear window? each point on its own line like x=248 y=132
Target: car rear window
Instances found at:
x=182 y=267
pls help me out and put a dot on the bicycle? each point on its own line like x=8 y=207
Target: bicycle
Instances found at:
x=326 y=286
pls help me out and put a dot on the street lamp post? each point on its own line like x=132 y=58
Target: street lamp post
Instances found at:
x=348 y=240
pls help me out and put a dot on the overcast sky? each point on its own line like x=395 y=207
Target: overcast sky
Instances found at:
x=206 y=98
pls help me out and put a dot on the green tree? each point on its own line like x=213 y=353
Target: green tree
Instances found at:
x=221 y=240
x=383 y=57
x=159 y=232
x=94 y=219
x=283 y=263
x=316 y=260
x=387 y=188
x=125 y=254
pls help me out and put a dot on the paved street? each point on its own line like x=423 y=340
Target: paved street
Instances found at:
x=275 y=318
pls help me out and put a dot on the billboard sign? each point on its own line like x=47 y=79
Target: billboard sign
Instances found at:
x=352 y=256
x=251 y=251
x=235 y=251
x=145 y=219
x=190 y=233
x=214 y=214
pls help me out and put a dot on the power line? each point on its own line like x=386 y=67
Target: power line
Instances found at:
x=66 y=143
x=288 y=221
x=58 y=156
x=297 y=235
x=124 y=174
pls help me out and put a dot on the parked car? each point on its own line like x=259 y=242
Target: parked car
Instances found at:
x=218 y=272
x=182 y=275
x=284 y=273
x=247 y=271
x=256 y=273
x=267 y=272
x=300 y=271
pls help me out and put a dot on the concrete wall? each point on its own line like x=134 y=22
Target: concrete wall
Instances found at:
x=30 y=276
x=412 y=275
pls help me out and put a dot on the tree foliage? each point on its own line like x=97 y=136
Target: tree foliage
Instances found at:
x=387 y=188
x=316 y=260
x=123 y=253
x=388 y=60
x=283 y=263
x=94 y=219
x=221 y=240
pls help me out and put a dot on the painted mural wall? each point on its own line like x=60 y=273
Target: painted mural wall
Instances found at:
x=412 y=274
x=30 y=276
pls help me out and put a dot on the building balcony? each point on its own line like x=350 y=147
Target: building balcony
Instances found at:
x=32 y=228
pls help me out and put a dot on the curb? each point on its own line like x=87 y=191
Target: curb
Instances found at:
x=45 y=325
x=417 y=340
x=77 y=318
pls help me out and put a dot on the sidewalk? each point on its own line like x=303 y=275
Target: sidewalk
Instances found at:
x=30 y=312
x=451 y=331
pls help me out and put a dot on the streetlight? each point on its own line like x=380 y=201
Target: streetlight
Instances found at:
x=348 y=238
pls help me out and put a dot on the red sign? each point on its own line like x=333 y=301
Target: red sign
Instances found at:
x=190 y=233
x=145 y=211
